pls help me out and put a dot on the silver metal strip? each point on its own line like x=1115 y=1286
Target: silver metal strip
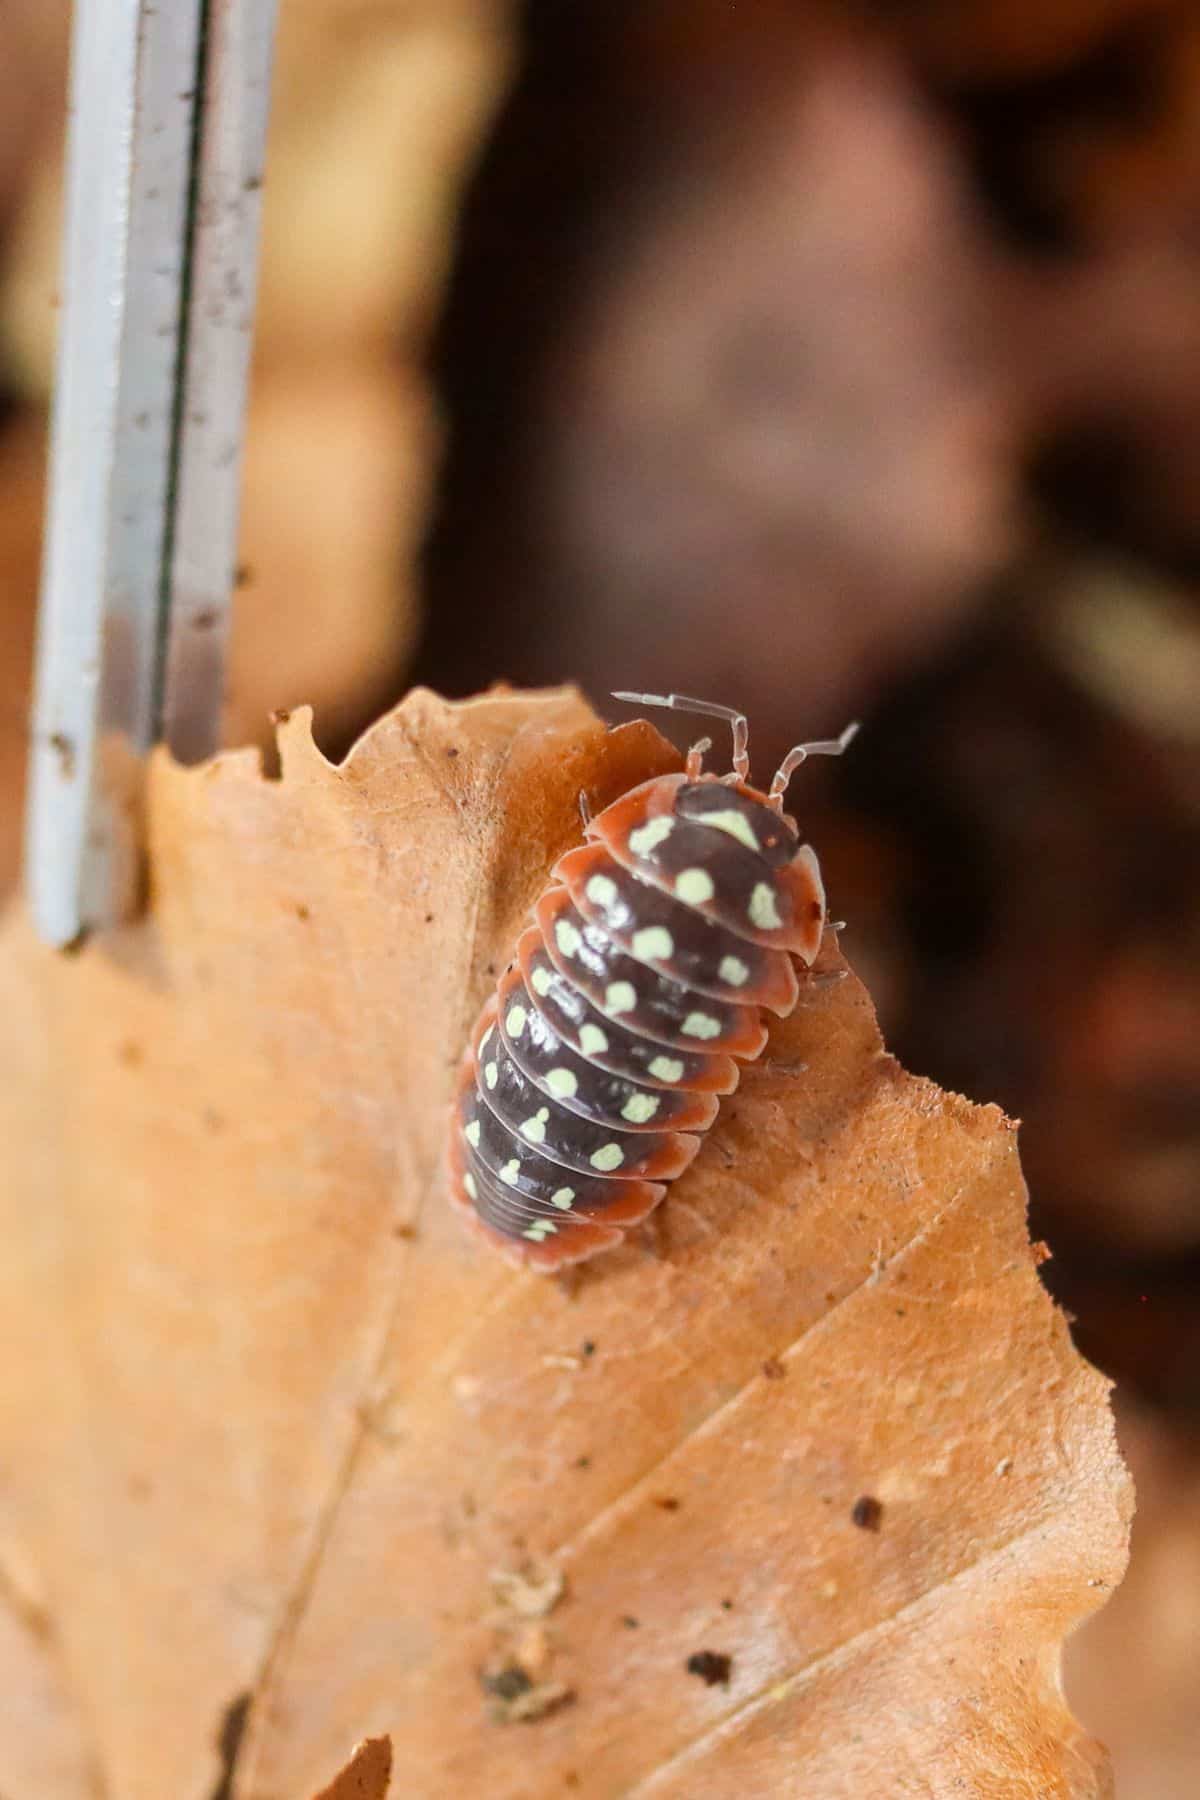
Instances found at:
x=133 y=106
x=169 y=103
x=233 y=135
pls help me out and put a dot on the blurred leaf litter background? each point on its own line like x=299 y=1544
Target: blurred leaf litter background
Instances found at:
x=833 y=360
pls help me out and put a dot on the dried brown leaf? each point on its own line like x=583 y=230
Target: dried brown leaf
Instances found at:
x=1132 y=1670
x=366 y=1776
x=42 y=1752
x=292 y=1422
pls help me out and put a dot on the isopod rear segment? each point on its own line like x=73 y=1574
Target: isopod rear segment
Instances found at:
x=598 y=1063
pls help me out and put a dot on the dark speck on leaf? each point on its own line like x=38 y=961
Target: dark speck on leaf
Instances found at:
x=773 y=1369
x=668 y=1502
x=508 y=1683
x=867 y=1512
x=712 y=1668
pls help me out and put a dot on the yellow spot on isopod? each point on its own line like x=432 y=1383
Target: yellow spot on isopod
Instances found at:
x=736 y=824
x=701 y=1025
x=592 y=1041
x=695 y=886
x=640 y=1107
x=491 y=1074
x=666 y=1068
x=562 y=1198
x=535 y=1129
x=514 y=1024
x=566 y=937
x=654 y=944
x=601 y=891
x=620 y=997
x=510 y=1171
x=472 y=1134
x=562 y=1083
x=649 y=836
x=608 y=1156
x=541 y=1228
x=542 y=981
x=734 y=971
x=762 y=909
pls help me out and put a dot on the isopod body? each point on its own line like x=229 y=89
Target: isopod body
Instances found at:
x=599 y=1061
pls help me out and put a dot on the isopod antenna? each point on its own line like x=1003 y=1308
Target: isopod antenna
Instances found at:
x=712 y=709
x=801 y=752
x=708 y=709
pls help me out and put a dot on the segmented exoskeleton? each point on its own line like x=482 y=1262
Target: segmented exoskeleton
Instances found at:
x=599 y=1061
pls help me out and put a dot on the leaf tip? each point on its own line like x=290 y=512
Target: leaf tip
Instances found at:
x=367 y=1776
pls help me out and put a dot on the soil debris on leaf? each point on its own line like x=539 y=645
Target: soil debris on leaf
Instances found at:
x=867 y=1513
x=712 y=1666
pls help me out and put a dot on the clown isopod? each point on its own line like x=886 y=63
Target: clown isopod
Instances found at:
x=600 y=1060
